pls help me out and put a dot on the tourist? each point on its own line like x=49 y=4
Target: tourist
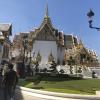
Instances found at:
x=9 y=82
x=94 y=75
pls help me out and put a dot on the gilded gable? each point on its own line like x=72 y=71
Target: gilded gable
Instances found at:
x=45 y=34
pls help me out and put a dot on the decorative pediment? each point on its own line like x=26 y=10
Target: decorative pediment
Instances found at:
x=84 y=51
x=45 y=34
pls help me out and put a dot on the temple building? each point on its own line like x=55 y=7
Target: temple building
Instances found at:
x=46 y=44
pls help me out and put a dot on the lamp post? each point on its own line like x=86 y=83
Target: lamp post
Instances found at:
x=90 y=15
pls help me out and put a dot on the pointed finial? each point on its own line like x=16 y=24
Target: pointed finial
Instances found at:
x=80 y=42
x=46 y=10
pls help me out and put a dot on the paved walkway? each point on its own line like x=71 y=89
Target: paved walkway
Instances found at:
x=33 y=96
x=2 y=95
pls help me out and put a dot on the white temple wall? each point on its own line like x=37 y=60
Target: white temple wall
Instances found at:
x=45 y=48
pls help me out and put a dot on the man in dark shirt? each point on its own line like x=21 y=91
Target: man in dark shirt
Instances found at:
x=9 y=82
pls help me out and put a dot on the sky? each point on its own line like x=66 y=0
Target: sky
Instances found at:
x=69 y=16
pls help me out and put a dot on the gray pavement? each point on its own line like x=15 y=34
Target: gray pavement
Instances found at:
x=23 y=93
x=45 y=95
x=18 y=96
x=37 y=96
x=25 y=96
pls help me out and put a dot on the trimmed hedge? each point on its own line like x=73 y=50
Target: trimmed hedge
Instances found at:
x=57 y=77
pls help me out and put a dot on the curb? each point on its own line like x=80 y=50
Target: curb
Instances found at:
x=63 y=95
x=98 y=93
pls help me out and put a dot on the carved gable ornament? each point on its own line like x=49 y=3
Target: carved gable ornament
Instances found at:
x=45 y=34
x=84 y=51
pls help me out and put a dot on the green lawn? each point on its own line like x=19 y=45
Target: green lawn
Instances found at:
x=86 y=86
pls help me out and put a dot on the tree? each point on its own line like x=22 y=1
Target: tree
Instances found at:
x=53 y=66
x=71 y=62
x=38 y=58
x=50 y=57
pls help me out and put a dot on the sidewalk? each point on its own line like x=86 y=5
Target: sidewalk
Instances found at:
x=55 y=94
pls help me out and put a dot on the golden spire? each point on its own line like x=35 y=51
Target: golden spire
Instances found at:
x=46 y=10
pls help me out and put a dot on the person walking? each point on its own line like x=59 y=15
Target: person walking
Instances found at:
x=9 y=83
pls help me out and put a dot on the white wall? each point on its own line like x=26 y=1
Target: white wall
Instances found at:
x=45 y=48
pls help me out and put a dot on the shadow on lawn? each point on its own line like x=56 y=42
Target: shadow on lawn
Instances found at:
x=37 y=87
